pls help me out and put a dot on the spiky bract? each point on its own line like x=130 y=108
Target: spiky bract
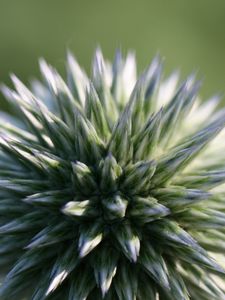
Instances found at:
x=111 y=187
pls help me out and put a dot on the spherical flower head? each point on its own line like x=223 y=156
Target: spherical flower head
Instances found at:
x=111 y=187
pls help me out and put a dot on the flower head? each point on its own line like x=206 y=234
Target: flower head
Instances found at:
x=111 y=187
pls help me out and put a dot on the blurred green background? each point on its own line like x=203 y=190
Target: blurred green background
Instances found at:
x=190 y=34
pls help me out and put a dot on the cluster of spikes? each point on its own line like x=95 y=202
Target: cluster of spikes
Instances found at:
x=111 y=187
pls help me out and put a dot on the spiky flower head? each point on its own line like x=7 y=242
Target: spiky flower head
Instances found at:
x=111 y=187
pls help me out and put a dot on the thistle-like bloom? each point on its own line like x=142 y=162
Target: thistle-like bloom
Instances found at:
x=111 y=187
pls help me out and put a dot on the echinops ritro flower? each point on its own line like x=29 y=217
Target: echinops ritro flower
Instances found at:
x=111 y=187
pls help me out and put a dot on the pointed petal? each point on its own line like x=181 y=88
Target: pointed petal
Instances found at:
x=146 y=210
x=126 y=282
x=128 y=241
x=79 y=209
x=82 y=283
x=89 y=238
x=110 y=173
x=83 y=178
x=77 y=79
x=105 y=266
x=178 y=197
x=63 y=266
x=115 y=207
x=147 y=139
x=137 y=177
x=178 y=157
x=154 y=263
x=95 y=112
x=88 y=142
